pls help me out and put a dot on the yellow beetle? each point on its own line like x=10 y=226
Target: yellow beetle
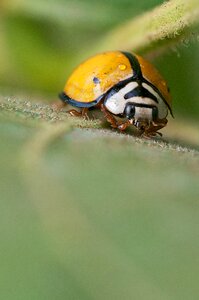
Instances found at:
x=120 y=84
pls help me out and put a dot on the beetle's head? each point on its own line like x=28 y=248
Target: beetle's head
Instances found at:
x=140 y=122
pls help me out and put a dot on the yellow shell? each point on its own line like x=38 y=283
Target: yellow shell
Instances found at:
x=97 y=75
x=90 y=81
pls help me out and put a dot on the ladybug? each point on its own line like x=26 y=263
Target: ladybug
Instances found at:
x=120 y=84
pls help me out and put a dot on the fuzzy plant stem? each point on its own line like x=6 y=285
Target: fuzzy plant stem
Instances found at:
x=157 y=28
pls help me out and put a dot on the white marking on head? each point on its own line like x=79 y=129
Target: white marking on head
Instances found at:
x=143 y=113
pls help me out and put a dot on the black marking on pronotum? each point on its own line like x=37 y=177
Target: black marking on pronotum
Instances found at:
x=144 y=80
x=135 y=65
x=117 y=87
x=140 y=92
x=96 y=80
x=140 y=79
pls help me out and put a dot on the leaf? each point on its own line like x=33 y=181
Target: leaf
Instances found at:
x=93 y=214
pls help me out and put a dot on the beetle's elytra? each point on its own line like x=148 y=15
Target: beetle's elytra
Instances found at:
x=120 y=84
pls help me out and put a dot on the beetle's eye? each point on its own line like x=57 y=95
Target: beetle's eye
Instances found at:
x=129 y=111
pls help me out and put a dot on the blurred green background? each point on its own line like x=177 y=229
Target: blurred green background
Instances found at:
x=92 y=214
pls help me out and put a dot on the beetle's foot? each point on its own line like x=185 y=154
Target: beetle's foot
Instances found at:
x=160 y=123
x=152 y=130
x=74 y=113
x=86 y=117
x=151 y=134
x=123 y=126
x=159 y=133
x=148 y=135
x=82 y=113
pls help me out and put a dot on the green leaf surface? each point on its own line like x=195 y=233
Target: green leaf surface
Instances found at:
x=93 y=214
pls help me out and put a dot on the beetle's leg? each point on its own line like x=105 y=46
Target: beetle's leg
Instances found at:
x=109 y=117
x=73 y=112
x=123 y=126
x=82 y=113
x=152 y=131
x=160 y=122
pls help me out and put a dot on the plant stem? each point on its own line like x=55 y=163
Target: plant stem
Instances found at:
x=163 y=25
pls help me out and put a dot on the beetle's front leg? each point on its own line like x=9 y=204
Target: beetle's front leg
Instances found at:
x=123 y=126
x=152 y=130
x=82 y=113
x=110 y=118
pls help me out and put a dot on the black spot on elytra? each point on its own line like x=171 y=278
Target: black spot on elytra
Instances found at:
x=96 y=80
